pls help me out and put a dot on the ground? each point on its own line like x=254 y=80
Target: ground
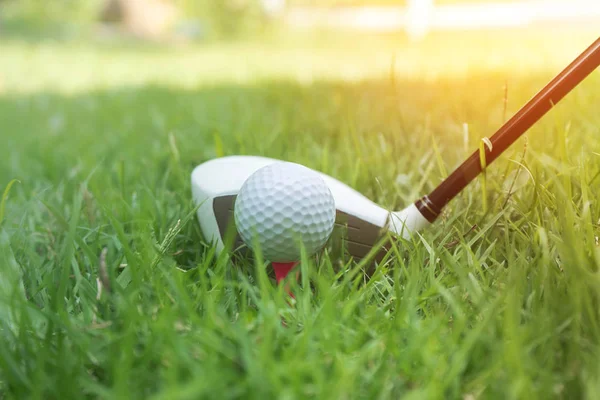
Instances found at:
x=109 y=288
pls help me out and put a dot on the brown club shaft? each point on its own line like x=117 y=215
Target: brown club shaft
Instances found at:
x=431 y=205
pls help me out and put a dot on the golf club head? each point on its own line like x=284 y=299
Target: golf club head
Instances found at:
x=360 y=223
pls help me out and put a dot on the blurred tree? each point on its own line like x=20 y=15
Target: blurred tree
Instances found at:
x=227 y=18
x=37 y=16
x=112 y=11
x=146 y=18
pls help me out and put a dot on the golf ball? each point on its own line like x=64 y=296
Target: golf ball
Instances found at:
x=282 y=206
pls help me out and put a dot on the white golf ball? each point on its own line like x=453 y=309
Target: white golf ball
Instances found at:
x=281 y=206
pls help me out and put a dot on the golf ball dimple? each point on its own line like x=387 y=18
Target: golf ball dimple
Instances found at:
x=281 y=206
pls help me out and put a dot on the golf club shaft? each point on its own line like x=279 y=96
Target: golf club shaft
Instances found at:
x=431 y=205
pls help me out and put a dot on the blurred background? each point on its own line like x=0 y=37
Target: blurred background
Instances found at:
x=193 y=19
x=300 y=39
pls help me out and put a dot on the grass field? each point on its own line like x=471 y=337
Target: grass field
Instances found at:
x=102 y=138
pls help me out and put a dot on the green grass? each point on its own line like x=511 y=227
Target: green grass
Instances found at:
x=102 y=141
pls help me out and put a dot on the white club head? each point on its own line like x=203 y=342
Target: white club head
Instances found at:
x=216 y=183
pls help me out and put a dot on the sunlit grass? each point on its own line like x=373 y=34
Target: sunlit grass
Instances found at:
x=500 y=303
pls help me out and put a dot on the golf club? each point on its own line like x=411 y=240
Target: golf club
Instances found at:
x=216 y=182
